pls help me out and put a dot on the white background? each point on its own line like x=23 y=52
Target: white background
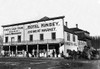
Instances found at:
x=86 y=13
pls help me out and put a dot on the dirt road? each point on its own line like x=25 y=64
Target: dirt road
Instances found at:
x=31 y=63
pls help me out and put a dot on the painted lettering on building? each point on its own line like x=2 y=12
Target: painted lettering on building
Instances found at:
x=13 y=31
x=71 y=44
x=42 y=27
x=33 y=28
x=42 y=30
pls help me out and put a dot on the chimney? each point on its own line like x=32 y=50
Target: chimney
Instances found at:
x=66 y=23
x=76 y=25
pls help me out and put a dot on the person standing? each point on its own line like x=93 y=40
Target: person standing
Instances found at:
x=2 y=52
x=33 y=53
x=53 y=53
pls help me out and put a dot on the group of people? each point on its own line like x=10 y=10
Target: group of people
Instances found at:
x=87 y=53
x=7 y=53
x=44 y=53
x=33 y=53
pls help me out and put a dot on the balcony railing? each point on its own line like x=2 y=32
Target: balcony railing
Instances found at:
x=35 y=42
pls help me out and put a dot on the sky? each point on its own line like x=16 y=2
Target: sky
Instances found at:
x=85 y=13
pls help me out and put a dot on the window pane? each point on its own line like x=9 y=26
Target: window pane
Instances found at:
x=31 y=37
x=74 y=38
x=53 y=35
x=19 y=38
x=68 y=36
x=12 y=39
x=41 y=36
x=6 y=39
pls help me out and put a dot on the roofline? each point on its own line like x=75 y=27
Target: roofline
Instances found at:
x=28 y=22
x=68 y=30
x=81 y=30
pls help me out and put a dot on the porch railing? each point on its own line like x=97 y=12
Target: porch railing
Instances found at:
x=35 y=42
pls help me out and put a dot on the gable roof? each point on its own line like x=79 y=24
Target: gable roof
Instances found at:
x=80 y=33
x=77 y=29
x=40 y=20
x=68 y=30
x=45 y=18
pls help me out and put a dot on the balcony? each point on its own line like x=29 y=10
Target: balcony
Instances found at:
x=59 y=40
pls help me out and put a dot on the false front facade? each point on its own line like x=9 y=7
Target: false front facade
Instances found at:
x=47 y=37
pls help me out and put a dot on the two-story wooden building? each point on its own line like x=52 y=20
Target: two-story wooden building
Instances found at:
x=47 y=36
x=84 y=38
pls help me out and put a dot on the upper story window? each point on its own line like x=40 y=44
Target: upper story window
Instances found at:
x=6 y=39
x=31 y=37
x=68 y=36
x=53 y=35
x=19 y=38
x=41 y=37
x=12 y=39
x=73 y=37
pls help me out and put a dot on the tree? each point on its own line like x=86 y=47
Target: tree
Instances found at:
x=1 y=40
x=95 y=41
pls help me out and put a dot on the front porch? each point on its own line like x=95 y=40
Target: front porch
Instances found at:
x=36 y=50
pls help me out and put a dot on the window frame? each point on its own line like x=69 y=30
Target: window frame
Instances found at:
x=68 y=36
x=41 y=37
x=74 y=39
x=19 y=40
x=6 y=39
x=12 y=39
x=31 y=37
x=53 y=37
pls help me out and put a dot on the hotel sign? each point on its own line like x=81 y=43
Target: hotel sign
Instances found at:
x=13 y=30
x=42 y=27
x=47 y=26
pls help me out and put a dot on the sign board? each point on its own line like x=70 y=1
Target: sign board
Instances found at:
x=47 y=26
x=13 y=30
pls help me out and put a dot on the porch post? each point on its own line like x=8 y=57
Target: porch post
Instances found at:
x=16 y=50
x=47 y=49
x=2 y=47
x=59 y=44
x=59 y=50
x=37 y=50
x=26 y=48
x=9 y=50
